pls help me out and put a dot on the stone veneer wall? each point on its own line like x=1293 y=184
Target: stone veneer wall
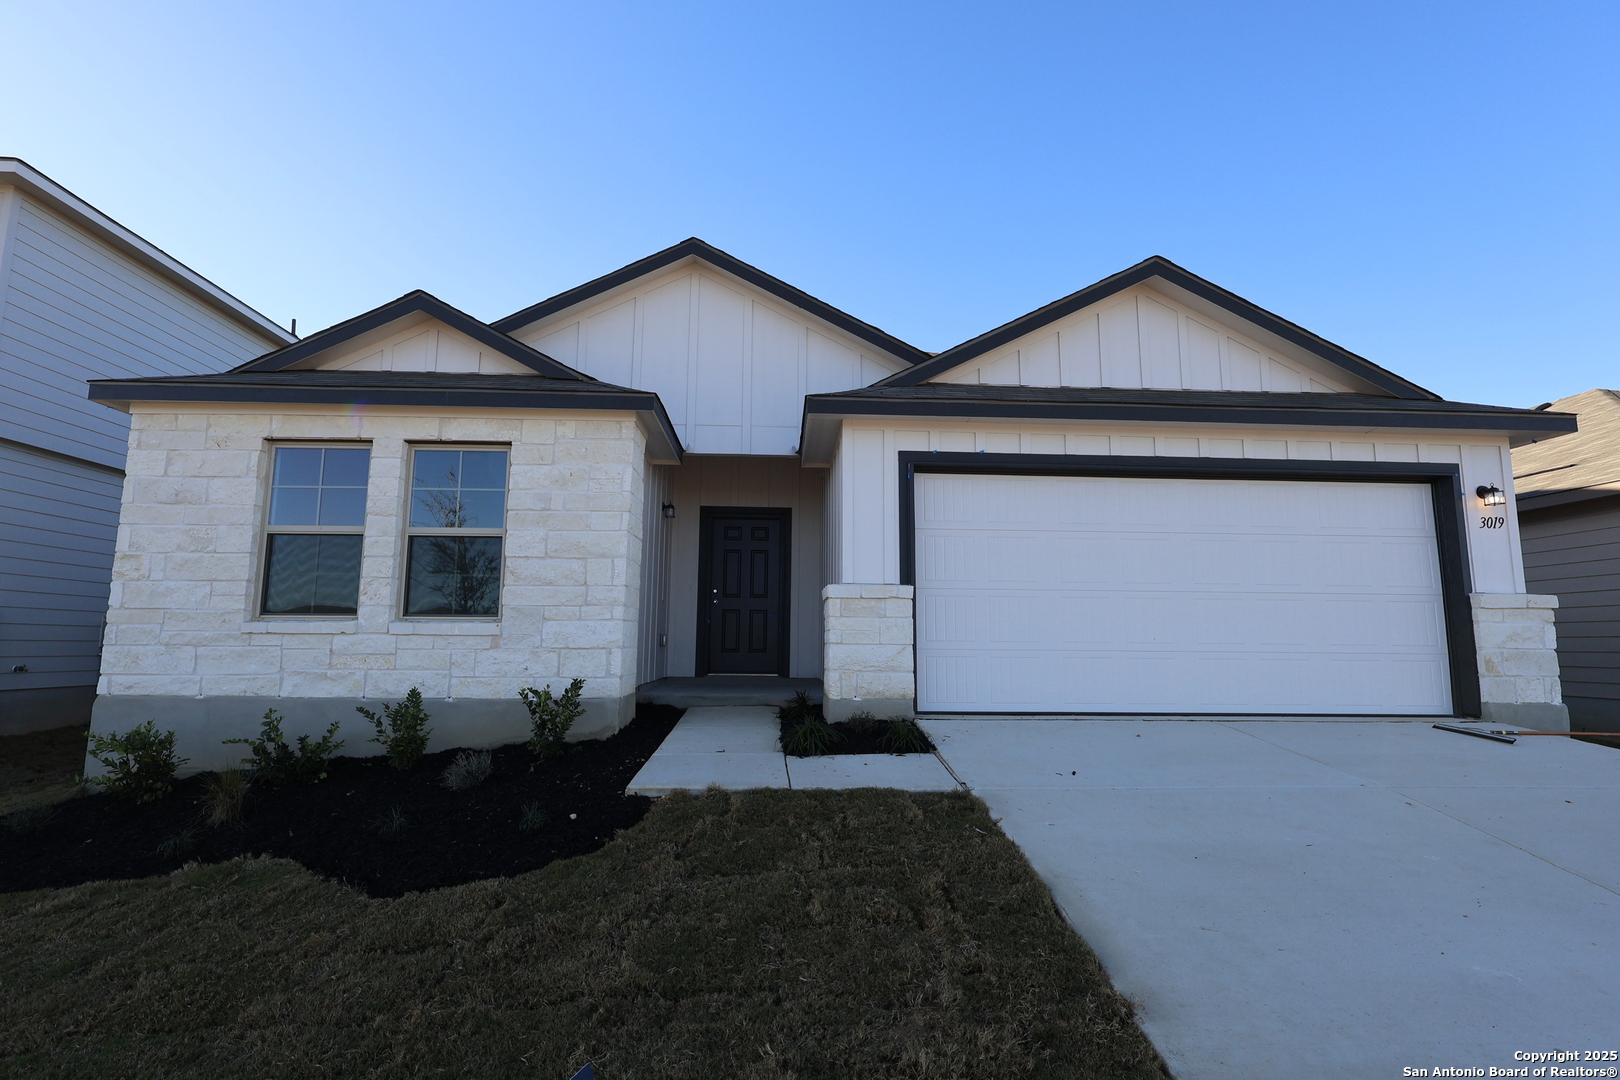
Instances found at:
x=868 y=657
x=1518 y=660
x=183 y=643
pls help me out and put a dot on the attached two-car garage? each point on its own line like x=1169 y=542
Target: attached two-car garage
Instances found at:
x=1132 y=594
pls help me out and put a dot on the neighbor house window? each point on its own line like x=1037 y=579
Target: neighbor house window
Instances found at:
x=314 y=531
x=455 y=532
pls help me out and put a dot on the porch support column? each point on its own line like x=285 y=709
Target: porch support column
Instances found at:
x=868 y=657
x=1518 y=661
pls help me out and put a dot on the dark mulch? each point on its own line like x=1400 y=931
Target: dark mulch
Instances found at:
x=857 y=738
x=451 y=837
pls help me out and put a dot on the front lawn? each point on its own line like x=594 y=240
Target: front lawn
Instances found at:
x=780 y=934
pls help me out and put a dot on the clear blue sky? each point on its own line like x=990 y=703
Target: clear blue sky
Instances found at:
x=1433 y=186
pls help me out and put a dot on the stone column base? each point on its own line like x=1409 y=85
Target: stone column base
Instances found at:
x=869 y=665
x=1518 y=661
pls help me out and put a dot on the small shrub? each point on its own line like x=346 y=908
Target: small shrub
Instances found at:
x=469 y=769
x=864 y=723
x=903 y=735
x=551 y=717
x=178 y=845
x=532 y=818
x=140 y=763
x=273 y=762
x=798 y=709
x=390 y=822
x=223 y=793
x=30 y=818
x=401 y=729
x=811 y=738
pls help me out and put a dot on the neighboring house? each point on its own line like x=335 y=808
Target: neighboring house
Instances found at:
x=81 y=297
x=1569 y=524
x=1150 y=497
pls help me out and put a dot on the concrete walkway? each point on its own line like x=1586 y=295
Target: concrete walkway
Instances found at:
x=1320 y=899
x=737 y=748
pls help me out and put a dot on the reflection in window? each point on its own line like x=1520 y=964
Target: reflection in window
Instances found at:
x=315 y=523
x=455 y=532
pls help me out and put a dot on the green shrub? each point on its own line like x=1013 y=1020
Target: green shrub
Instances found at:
x=903 y=735
x=864 y=723
x=798 y=709
x=179 y=844
x=551 y=717
x=273 y=762
x=140 y=763
x=811 y=738
x=401 y=729
x=29 y=818
x=390 y=822
x=223 y=795
x=532 y=818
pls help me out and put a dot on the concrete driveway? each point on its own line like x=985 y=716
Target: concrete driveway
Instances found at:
x=1321 y=899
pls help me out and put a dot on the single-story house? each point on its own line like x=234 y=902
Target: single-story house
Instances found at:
x=81 y=297
x=1569 y=524
x=1148 y=497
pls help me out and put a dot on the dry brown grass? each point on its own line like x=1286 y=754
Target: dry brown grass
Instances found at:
x=767 y=934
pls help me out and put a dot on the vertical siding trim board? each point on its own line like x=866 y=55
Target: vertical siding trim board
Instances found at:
x=10 y=212
x=1443 y=478
x=784 y=638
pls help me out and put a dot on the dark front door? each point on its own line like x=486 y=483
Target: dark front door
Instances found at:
x=742 y=612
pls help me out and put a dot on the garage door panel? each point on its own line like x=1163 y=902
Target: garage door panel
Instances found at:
x=1114 y=596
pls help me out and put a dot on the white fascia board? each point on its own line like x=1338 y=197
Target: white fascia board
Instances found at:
x=30 y=181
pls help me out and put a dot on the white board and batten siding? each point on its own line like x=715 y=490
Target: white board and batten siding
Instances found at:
x=1115 y=595
x=1143 y=339
x=73 y=309
x=425 y=345
x=731 y=363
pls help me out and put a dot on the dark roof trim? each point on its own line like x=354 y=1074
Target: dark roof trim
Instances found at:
x=693 y=247
x=1286 y=415
x=409 y=304
x=1157 y=266
x=611 y=400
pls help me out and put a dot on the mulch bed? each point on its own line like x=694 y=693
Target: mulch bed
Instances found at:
x=857 y=739
x=451 y=837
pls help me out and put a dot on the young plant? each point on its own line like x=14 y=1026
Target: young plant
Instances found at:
x=551 y=717
x=811 y=737
x=273 y=762
x=140 y=763
x=401 y=729
x=864 y=723
x=30 y=818
x=469 y=769
x=179 y=844
x=223 y=793
x=390 y=822
x=532 y=819
x=903 y=735
x=798 y=709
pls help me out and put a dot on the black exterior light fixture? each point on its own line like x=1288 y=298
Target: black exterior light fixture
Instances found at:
x=1490 y=495
x=669 y=510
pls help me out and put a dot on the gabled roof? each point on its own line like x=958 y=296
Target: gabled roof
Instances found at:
x=412 y=303
x=1577 y=467
x=15 y=172
x=415 y=388
x=1157 y=266
x=693 y=248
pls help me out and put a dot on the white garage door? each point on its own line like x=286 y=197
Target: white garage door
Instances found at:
x=1114 y=595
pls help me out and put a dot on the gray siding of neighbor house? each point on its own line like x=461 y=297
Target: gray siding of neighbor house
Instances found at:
x=73 y=308
x=1573 y=552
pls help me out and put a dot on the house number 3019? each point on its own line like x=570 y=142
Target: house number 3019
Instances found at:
x=1492 y=522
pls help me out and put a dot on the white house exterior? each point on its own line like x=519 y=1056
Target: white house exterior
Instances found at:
x=81 y=297
x=1150 y=497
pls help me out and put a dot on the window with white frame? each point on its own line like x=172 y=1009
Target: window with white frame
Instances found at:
x=455 y=531
x=314 y=530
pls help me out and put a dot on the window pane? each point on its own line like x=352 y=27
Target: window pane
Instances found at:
x=483 y=469
x=343 y=506
x=297 y=465
x=454 y=575
x=482 y=509
x=436 y=508
x=293 y=505
x=312 y=575
x=346 y=468
x=436 y=468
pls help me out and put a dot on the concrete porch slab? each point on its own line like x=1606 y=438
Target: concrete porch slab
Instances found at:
x=686 y=693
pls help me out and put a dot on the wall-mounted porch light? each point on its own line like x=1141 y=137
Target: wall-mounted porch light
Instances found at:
x=669 y=510
x=1490 y=495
